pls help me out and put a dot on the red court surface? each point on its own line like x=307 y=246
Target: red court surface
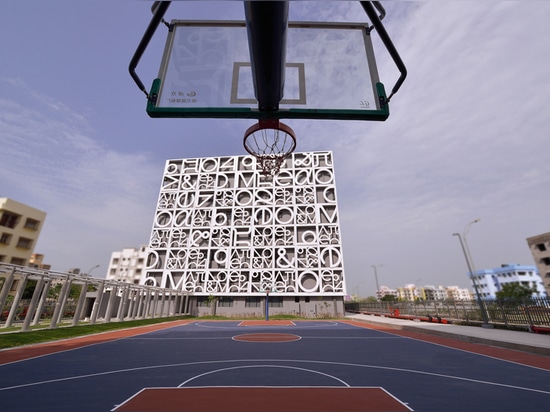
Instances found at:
x=255 y=399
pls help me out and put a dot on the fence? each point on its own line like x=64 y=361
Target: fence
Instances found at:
x=531 y=314
x=30 y=297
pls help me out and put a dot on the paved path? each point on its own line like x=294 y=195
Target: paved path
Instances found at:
x=522 y=341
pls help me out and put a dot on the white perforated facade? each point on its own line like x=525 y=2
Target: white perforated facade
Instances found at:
x=222 y=230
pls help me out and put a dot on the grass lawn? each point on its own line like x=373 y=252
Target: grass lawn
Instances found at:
x=13 y=337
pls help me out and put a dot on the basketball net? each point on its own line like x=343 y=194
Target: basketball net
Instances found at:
x=270 y=142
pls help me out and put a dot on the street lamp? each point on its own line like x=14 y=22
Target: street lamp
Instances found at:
x=88 y=273
x=470 y=264
x=376 y=276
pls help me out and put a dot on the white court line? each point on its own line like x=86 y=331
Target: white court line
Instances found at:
x=411 y=371
x=262 y=366
x=299 y=325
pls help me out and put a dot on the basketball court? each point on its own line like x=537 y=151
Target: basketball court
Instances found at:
x=273 y=366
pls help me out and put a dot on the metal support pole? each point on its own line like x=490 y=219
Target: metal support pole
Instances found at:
x=376 y=277
x=480 y=302
x=267 y=304
x=266 y=25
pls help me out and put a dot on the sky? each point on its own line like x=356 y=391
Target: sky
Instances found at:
x=467 y=137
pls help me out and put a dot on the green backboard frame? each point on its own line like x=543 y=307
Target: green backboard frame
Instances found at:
x=349 y=71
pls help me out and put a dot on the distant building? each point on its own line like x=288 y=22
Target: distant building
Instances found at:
x=540 y=249
x=490 y=281
x=430 y=293
x=20 y=226
x=127 y=265
x=385 y=291
x=37 y=261
x=456 y=293
x=408 y=292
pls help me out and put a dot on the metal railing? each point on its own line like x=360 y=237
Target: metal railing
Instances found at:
x=529 y=314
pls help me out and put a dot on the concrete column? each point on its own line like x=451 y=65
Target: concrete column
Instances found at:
x=139 y=303
x=162 y=303
x=80 y=304
x=60 y=304
x=186 y=305
x=6 y=287
x=132 y=304
x=97 y=304
x=111 y=303
x=42 y=303
x=32 y=306
x=16 y=301
x=123 y=307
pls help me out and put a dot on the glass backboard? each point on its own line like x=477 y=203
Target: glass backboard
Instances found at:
x=330 y=73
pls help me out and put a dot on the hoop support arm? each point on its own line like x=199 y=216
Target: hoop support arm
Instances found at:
x=158 y=14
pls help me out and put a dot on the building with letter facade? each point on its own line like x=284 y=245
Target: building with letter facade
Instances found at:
x=228 y=236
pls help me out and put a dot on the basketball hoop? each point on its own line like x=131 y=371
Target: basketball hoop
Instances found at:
x=270 y=142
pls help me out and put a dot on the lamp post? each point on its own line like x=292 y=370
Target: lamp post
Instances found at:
x=88 y=273
x=267 y=304
x=470 y=264
x=376 y=277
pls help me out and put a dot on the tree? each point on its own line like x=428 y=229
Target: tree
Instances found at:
x=515 y=291
x=388 y=298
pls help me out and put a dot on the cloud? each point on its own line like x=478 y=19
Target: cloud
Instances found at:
x=95 y=197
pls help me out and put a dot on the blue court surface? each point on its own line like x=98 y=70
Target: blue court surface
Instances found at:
x=223 y=359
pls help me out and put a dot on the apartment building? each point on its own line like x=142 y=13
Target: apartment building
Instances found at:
x=411 y=292
x=540 y=249
x=490 y=281
x=20 y=226
x=127 y=265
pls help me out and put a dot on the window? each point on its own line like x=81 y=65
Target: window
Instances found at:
x=252 y=302
x=2 y=258
x=546 y=261
x=24 y=243
x=202 y=301
x=9 y=219
x=5 y=239
x=225 y=302
x=307 y=299
x=17 y=261
x=32 y=224
x=297 y=299
x=275 y=302
x=541 y=247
